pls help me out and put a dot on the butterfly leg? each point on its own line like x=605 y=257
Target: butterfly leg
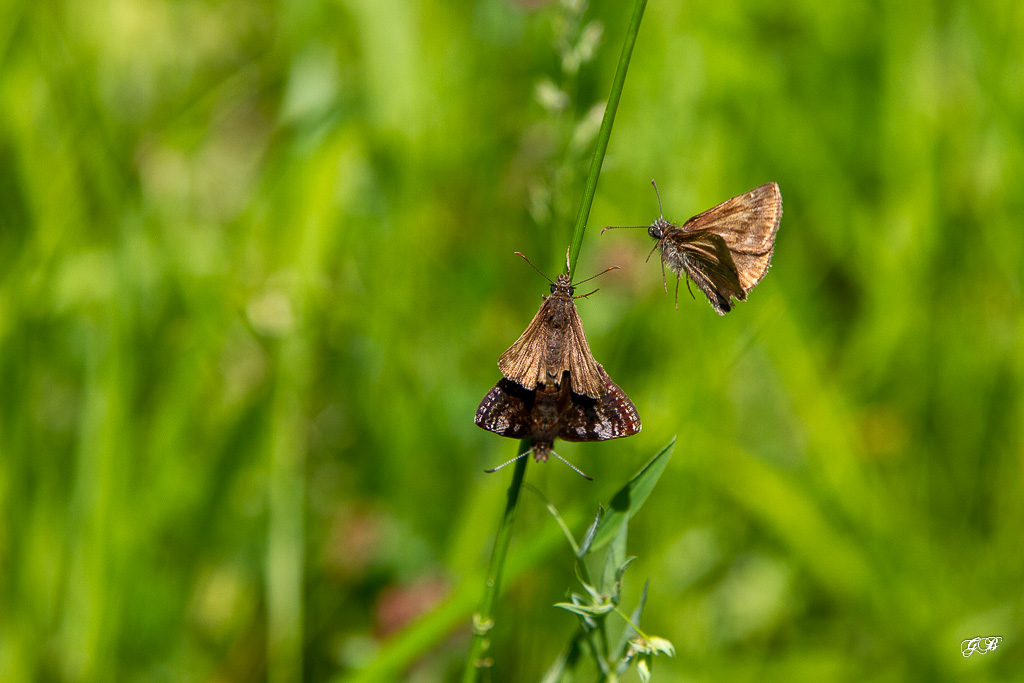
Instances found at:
x=688 y=288
x=664 y=279
x=521 y=455
x=678 y=278
x=575 y=469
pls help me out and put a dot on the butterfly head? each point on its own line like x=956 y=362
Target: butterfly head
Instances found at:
x=562 y=286
x=659 y=228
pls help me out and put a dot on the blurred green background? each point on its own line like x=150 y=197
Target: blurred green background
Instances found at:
x=256 y=270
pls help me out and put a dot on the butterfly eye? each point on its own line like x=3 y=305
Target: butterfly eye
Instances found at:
x=572 y=290
x=655 y=231
x=552 y=288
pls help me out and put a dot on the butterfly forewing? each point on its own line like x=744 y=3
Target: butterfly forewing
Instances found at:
x=524 y=361
x=585 y=372
x=748 y=224
x=553 y=342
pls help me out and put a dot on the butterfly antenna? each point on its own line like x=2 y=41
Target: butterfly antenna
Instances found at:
x=521 y=455
x=658 y=195
x=577 y=284
x=635 y=227
x=624 y=227
x=575 y=469
x=518 y=253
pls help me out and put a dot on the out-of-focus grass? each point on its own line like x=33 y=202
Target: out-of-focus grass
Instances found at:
x=255 y=273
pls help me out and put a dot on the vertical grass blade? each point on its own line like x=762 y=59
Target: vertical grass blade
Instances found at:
x=604 y=135
x=483 y=620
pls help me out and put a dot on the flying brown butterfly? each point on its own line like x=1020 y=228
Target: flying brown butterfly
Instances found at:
x=554 y=411
x=554 y=343
x=726 y=250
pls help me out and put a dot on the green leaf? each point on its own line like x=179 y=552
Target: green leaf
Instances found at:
x=615 y=558
x=588 y=538
x=594 y=610
x=628 y=500
x=661 y=645
x=566 y=661
x=595 y=594
x=644 y=669
x=616 y=588
x=622 y=569
x=640 y=645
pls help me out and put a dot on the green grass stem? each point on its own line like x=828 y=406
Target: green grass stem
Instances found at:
x=483 y=619
x=604 y=135
x=430 y=629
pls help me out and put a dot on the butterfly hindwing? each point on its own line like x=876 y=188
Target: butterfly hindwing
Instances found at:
x=610 y=416
x=751 y=268
x=506 y=409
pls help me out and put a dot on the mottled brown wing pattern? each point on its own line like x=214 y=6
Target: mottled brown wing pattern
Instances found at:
x=552 y=343
x=748 y=223
x=584 y=371
x=610 y=416
x=524 y=361
x=506 y=409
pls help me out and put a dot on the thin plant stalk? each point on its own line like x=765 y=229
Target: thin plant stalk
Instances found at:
x=604 y=135
x=584 y=571
x=483 y=619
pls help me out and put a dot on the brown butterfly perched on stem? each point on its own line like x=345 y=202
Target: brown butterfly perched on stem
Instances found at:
x=555 y=411
x=554 y=342
x=726 y=250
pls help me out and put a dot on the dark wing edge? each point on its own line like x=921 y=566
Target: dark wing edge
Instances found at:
x=709 y=263
x=610 y=416
x=717 y=297
x=505 y=410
